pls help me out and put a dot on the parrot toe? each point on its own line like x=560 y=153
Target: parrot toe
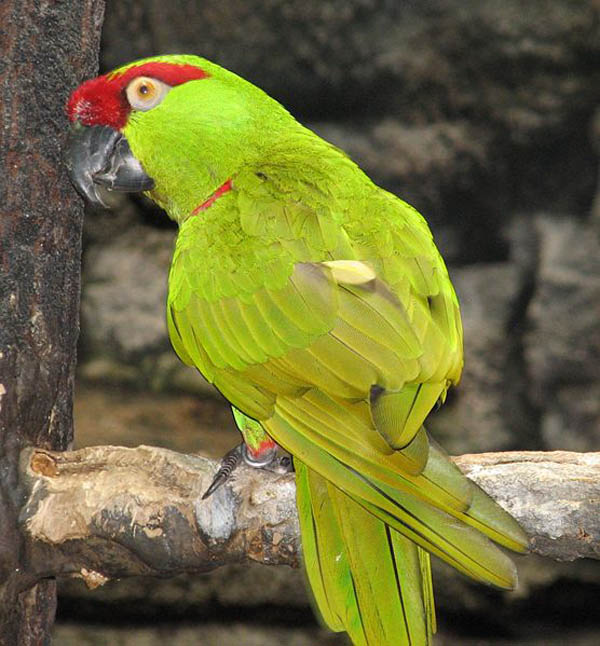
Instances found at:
x=272 y=459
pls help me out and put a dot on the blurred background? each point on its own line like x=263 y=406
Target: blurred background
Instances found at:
x=483 y=115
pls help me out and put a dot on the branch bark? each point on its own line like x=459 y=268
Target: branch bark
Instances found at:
x=109 y=512
x=46 y=49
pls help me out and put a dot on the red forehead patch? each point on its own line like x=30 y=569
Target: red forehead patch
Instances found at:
x=102 y=102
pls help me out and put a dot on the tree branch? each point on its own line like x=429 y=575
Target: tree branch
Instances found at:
x=106 y=512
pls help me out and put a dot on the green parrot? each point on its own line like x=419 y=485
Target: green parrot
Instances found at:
x=318 y=304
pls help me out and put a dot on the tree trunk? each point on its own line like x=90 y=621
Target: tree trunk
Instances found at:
x=46 y=49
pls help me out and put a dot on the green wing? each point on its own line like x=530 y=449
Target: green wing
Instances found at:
x=340 y=340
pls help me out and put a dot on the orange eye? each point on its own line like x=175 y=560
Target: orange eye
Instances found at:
x=145 y=93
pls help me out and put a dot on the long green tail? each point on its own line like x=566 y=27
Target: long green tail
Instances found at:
x=366 y=578
x=366 y=542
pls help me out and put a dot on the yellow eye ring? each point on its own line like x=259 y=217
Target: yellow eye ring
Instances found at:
x=145 y=93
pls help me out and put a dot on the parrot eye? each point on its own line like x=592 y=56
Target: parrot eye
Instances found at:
x=145 y=93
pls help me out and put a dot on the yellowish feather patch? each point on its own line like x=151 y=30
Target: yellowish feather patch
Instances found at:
x=351 y=272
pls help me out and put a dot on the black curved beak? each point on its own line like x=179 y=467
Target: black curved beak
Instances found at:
x=100 y=156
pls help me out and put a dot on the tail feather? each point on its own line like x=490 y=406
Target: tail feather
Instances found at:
x=488 y=517
x=375 y=592
x=391 y=605
x=452 y=491
x=427 y=579
x=368 y=529
x=464 y=548
x=324 y=553
x=439 y=482
x=483 y=513
x=434 y=530
x=414 y=571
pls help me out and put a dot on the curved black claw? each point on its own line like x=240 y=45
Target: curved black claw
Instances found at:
x=272 y=460
x=228 y=465
x=284 y=464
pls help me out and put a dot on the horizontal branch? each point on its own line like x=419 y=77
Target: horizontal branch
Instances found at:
x=554 y=495
x=107 y=512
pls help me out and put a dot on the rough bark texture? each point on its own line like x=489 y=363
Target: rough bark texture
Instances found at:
x=46 y=49
x=107 y=512
x=554 y=495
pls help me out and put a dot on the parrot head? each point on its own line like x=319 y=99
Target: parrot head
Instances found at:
x=177 y=127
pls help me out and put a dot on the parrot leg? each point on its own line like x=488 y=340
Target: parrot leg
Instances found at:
x=257 y=450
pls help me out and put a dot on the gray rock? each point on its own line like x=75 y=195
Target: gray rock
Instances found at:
x=125 y=293
x=124 y=332
x=571 y=418
x=479 y=412
x=522 y=66
x=562 y=346
x=595 y=132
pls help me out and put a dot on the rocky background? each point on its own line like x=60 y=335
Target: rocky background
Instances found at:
x=484 y=115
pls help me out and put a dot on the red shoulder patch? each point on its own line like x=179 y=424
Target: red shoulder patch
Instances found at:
x=102 y=102
x=224 y=188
